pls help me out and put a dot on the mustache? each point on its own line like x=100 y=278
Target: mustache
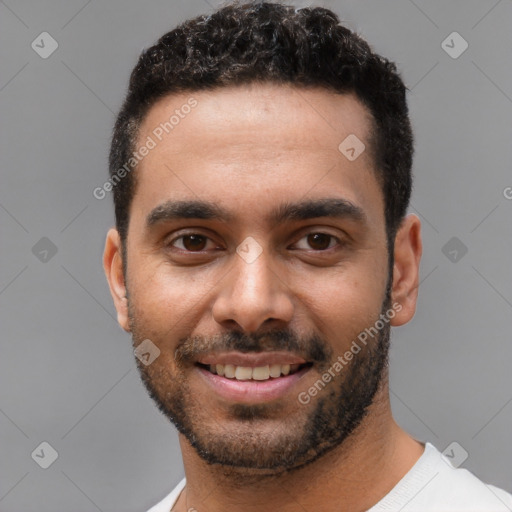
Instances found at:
x=312 y=348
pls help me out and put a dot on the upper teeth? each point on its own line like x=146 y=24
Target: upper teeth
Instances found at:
x=246 y=372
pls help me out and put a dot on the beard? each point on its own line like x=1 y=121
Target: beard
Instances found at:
x=268 y=439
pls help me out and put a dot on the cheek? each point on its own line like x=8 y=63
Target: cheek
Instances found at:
x=342 y=304
x=167 y=303
x=161 y=289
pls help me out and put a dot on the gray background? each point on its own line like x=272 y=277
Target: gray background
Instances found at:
x=67 y=371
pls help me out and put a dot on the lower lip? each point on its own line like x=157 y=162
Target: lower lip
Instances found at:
x=251 y=391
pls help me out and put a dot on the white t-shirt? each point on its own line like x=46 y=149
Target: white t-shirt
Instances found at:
x=431 y=485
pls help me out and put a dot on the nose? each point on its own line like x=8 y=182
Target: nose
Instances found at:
x=253 y=294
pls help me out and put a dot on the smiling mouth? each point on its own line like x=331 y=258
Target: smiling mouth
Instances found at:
x=258 y=373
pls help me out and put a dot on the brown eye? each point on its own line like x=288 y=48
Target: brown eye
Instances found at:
x=319 y=241
x=194 y=242
x=191 y=242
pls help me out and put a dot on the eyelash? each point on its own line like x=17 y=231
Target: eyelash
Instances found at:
x=182 y=236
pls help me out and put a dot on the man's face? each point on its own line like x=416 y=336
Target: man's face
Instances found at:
x=251 y=233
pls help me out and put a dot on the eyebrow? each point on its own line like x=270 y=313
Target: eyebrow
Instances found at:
x=311 y=209
x=303 y=210
x=175 y=210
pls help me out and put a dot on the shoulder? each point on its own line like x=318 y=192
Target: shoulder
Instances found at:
x=462 y=490
x=434 y=484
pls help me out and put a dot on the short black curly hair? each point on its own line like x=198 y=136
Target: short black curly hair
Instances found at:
x=245 y=42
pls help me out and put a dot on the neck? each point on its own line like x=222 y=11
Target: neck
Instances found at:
x=357 y=474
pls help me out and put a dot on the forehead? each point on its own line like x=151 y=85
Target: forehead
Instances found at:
x=255 y=144
x=307 y=117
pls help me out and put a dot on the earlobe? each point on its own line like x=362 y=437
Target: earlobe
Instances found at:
x=113 y=266
x=407 y=256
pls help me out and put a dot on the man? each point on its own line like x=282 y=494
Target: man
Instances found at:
x=261 y=171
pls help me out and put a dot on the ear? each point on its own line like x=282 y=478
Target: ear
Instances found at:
x=113 y=265
x=407 y=255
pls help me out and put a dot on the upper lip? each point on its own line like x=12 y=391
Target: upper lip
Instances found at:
x=253 y=360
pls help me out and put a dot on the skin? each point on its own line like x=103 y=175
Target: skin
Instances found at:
x=282 y=146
